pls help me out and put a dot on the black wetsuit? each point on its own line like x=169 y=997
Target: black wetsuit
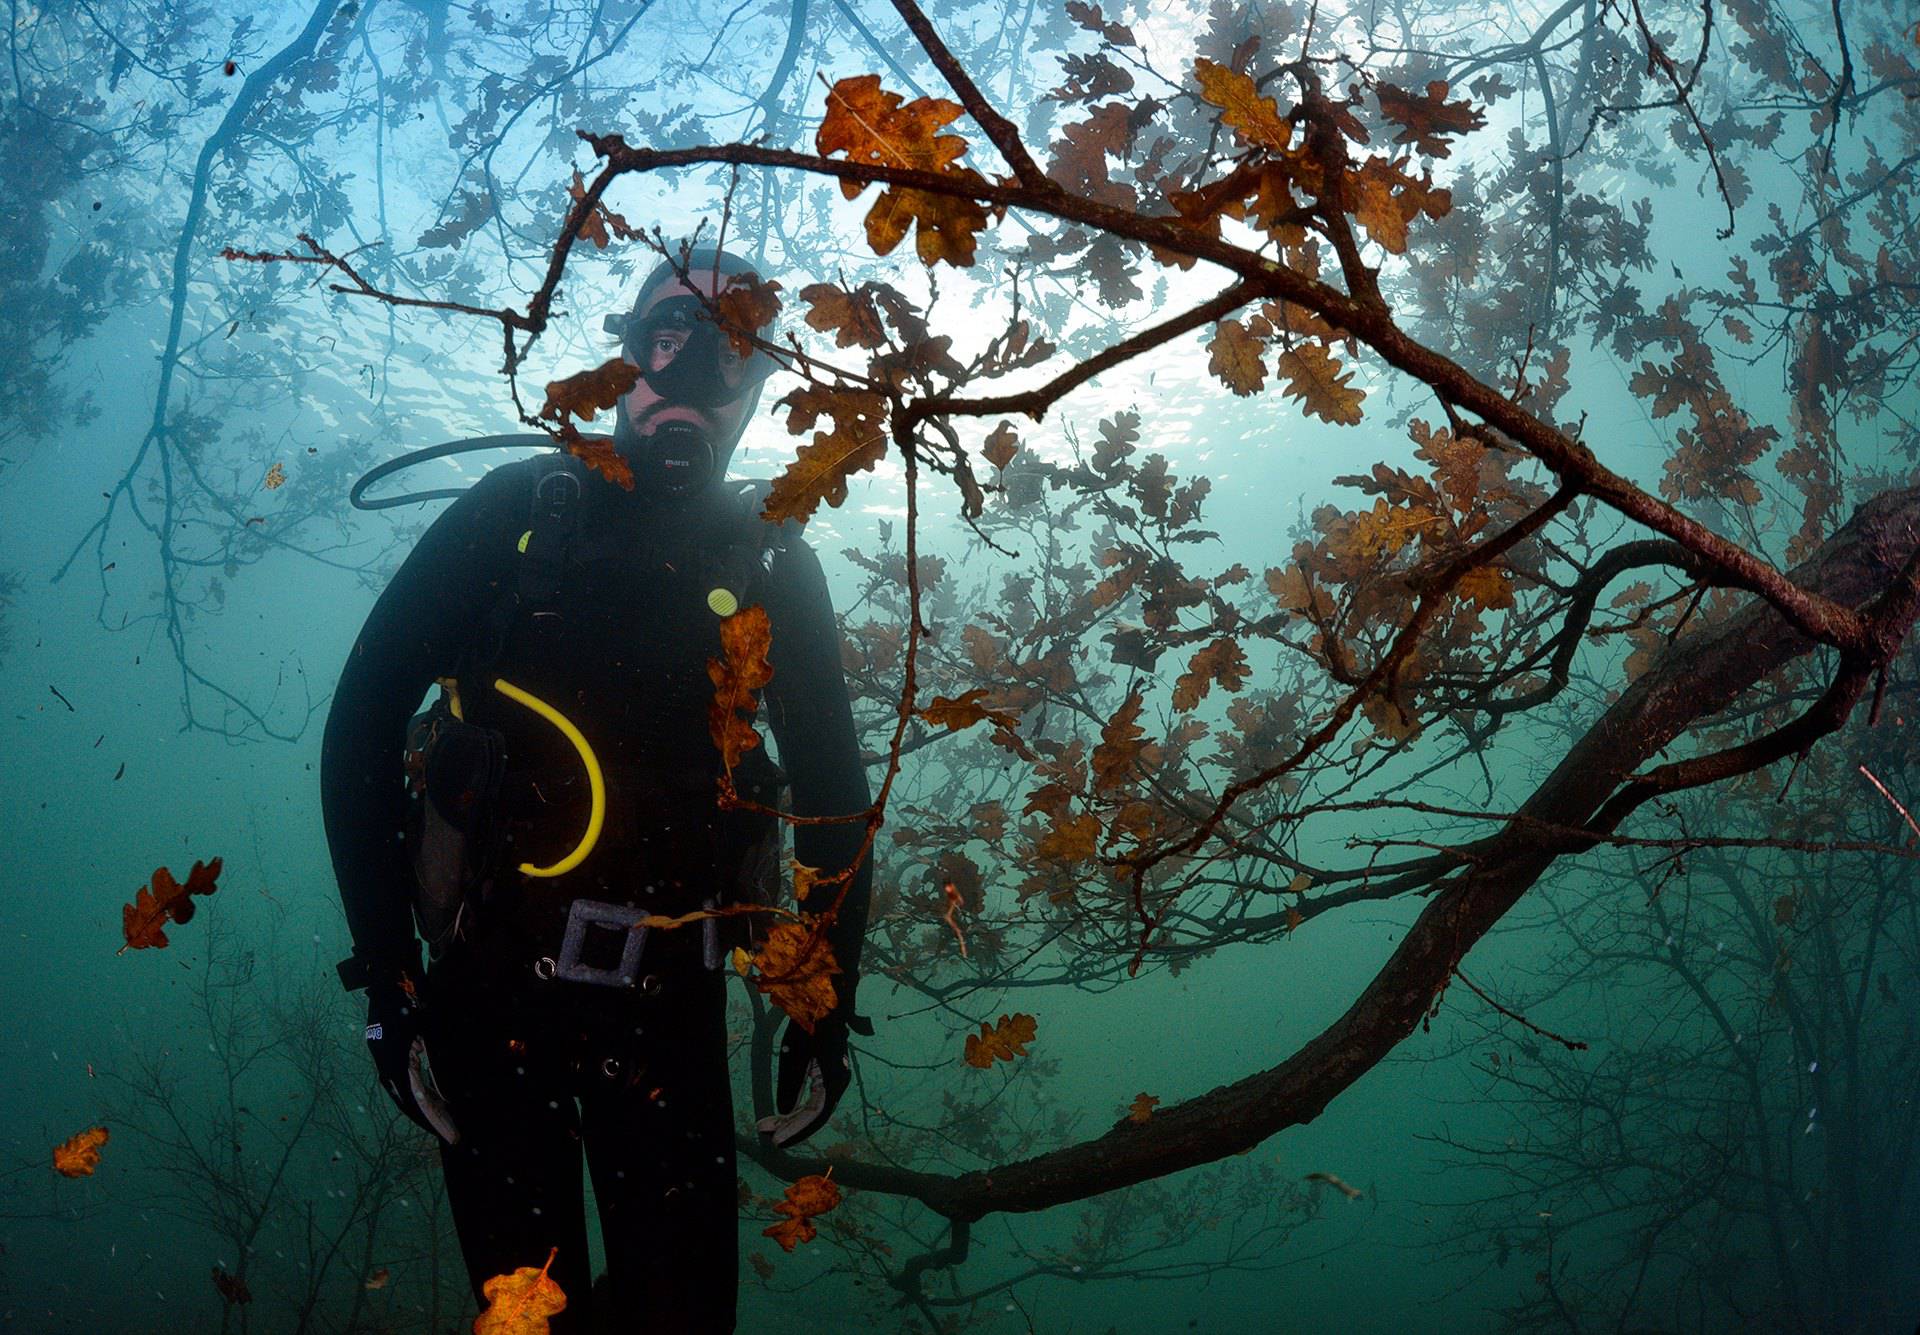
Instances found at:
x=621 y=649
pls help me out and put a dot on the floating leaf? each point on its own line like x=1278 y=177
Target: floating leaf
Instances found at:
x=142 y=921
x=1003 y=1041
x=746 y=638
x=79 y=1155
x=520 y=1303
x=1141 y=1109
x=276 y=477
x=805 y=1199
x=378 y=1279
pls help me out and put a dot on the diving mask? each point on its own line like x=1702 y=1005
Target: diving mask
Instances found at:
x=685 y=357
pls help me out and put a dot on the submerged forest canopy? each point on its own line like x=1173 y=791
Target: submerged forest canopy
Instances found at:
x=1556 y=609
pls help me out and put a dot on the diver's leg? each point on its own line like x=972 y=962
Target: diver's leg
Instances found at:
x=660 y=1148
x=513 y=1180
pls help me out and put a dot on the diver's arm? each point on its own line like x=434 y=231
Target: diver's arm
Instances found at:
x=416 y=632
x=812 y=720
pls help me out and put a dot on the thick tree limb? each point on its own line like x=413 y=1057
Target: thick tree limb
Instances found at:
x=1693 y=680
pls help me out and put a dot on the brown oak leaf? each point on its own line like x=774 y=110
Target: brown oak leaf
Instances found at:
x=1003 y=1041
x=1254 y=117
x=795 y=968
x=1322 y=384
x=1222 y=661
x=1234 y=357
x=745 y=638
x=587 y=393
x=79 y=1155
x=520 y=1303
x=870 y=125
x=803 y=1200
x=1427 y=121
x=819 y=470
x=599 y=221
x=142 y=921
x=850 y=316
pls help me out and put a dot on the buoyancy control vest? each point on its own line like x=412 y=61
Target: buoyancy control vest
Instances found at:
x=608 y=626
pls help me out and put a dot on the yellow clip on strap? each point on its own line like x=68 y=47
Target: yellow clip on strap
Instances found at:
x=595 y=782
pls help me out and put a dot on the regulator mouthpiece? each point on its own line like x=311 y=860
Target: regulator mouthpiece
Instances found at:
x=677 y=460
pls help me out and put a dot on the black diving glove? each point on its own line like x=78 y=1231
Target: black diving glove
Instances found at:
x=400 y=1056
x=817 y=1060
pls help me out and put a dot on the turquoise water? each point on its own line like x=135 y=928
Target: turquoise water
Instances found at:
x=1730 y=1145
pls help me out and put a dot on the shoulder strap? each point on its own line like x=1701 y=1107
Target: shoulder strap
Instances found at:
x=553 y=520
x=755 y=542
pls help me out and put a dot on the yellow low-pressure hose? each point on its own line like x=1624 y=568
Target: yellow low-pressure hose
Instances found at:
x=595 y=783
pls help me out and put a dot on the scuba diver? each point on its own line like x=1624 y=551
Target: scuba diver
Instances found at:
x=563 y=784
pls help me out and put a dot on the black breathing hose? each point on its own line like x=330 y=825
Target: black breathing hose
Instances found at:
x=357 y=496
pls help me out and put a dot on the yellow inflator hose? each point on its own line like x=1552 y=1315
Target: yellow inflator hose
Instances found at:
x=596 y=784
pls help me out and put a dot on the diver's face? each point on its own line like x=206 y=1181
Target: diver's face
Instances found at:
x=646 y=410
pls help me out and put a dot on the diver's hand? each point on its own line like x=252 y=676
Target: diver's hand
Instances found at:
x=400 y=1058
x=819 y=1061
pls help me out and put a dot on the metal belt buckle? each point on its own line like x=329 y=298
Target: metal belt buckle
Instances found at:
x=590 y=915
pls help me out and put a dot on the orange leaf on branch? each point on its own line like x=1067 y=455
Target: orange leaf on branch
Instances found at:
x=1003 y=1041
x=804 y=1200
x=1141 y=1109
x=1222 y=661
x=589 y=392
x=795 y=969
x=746 y=638
x=746 y=306
x=1487 y=587
x=142 y=922
x=1385 y=200
x=820 y=470
x=79 y=1155
x=1427 y=121
x=599 y=220
x=1001 y=445
x=870 y=125
x=851 y=317
x=1234 y=357
x=520 y=1303
x=965 y=710
x=1253 y=116
x=1321 y=384
x=1122 y=747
